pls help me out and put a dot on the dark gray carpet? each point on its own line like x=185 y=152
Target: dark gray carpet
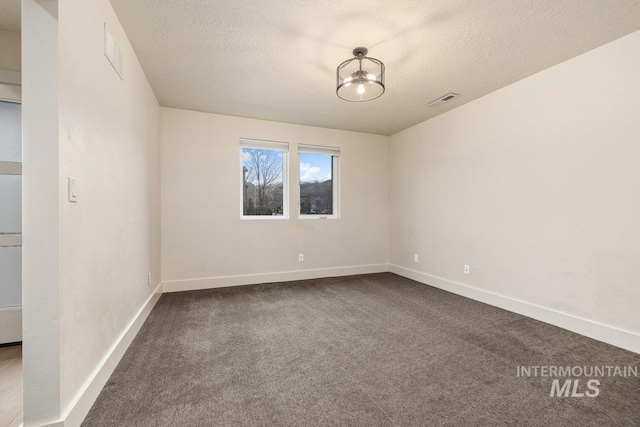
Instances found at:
x=370 y=350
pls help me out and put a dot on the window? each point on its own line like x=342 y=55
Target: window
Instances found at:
x=318 y=181
x=264 y=179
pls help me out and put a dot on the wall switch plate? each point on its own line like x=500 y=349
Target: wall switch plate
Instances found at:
x=467 y=270
x=72 y=189
x=300 y=257
x=415 y=257
x=149 y=279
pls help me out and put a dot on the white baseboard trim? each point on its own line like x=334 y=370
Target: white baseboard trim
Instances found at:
x=608 y=334
x=252 y=279
x=10 y=92
x=11 y=77
x=10 y=324
x=10 y=86
x=81 y=404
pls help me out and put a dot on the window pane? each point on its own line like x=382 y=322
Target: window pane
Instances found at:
x=10 y=132
x=10 y=203
x=262 y=181
x=316 y=184
x=11 y=268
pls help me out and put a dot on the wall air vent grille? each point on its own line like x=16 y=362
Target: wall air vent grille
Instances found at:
x=446 y=98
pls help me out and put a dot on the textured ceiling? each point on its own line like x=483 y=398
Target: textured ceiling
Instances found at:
x=276 y=59
x=10 y=15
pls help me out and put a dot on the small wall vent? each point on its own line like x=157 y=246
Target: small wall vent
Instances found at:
x=446 y=98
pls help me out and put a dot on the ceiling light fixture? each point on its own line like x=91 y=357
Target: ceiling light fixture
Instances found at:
x=360 y=78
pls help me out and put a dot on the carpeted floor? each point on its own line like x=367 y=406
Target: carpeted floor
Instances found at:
x=370 y=350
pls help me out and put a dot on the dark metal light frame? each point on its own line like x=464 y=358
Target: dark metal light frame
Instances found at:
x=361 y=78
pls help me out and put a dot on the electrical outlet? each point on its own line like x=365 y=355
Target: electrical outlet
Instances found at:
x=415 y=257
x=300 y=257
x=467 y=270
x=149 y=279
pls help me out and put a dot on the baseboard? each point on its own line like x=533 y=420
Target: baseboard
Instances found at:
x=10 y=324
x=11 y=77
x=252 y=279
x=80 y=406
x=608 y=334
x=10 y=86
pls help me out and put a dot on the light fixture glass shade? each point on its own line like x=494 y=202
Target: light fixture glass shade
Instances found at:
x=360 y=78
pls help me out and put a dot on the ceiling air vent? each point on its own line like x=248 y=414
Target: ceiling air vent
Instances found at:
x=446 y=98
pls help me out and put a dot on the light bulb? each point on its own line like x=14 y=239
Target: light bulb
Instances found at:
x=361 y=89
x=347 y=81
x=371 y=76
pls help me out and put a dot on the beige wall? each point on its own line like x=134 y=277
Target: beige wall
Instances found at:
x=203 y=236
x=110 y=238
x=535 y=186
x=10 y=55
x=40 y=214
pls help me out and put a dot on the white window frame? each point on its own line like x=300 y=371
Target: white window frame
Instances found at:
x=334 y=152
x=267 y=145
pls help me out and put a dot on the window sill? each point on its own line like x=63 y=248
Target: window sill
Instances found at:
x=263 y=217
x=318 y=217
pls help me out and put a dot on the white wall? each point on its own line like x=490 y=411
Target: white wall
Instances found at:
x=40 y=213
x=110 y=142
x=203 y=236
x=535 y=186
x=10 y=54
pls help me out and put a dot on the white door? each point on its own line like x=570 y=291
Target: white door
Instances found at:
x=10 y=222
